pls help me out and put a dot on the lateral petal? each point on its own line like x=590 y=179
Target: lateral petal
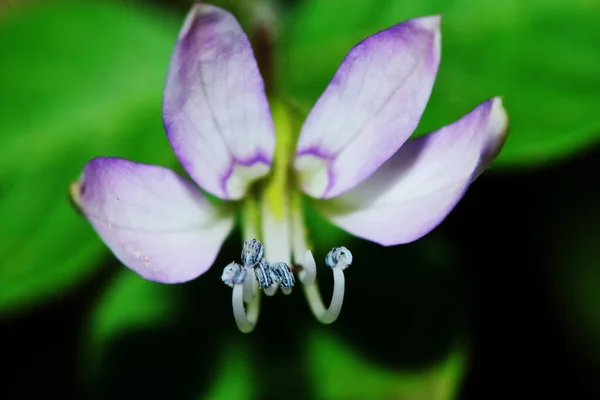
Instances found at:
x=416 y=189
x=155 y=222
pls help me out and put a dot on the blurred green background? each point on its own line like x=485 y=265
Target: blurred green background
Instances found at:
x=502 y=298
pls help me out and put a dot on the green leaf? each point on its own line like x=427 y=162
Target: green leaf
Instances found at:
x=541 y=56
x=235 y=378
x=130 y=303
x=79 y=80
x=125 y=340
x=334 y=365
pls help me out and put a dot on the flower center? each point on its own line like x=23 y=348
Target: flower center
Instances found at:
x=272 y=214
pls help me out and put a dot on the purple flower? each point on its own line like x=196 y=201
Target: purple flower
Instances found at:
x=351 y=157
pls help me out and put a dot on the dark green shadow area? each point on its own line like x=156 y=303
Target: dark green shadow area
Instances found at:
x=408 y=323
x=403 y=306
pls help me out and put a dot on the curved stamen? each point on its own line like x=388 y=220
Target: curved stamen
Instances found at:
x=249 y=291
x=342 y=259
x=246 y=319
x=258 y=273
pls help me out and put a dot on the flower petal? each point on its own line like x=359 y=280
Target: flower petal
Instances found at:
x=371 y=107
x=418 y=187
x=215 y=110
x=155 y=222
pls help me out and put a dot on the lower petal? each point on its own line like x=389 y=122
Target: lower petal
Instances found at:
x=154 y=221
x=416 y=189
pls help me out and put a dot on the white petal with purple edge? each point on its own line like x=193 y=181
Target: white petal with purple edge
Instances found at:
x=371 y=107
x=416 y=189
x=215 y=110
x=157 y=223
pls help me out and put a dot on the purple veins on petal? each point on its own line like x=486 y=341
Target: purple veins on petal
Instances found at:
x=414 y=190
x=372 y=105
x=155 y=222
x=215 y=110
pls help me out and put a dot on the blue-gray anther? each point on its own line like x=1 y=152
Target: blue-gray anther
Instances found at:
x=252 y=252
x=339 y=255
x=262 y=270
x=233 y=274
x=283 y=275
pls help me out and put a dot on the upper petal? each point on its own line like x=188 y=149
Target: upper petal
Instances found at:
x=372 y=105
x=215 y=110
x=155 y=222
x=416 y=189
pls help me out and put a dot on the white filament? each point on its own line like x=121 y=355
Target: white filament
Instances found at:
x=249 y=292
x=315 y=302
x=276 y=236
x=284 y=235
x=308 y=273
x=246 y=319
